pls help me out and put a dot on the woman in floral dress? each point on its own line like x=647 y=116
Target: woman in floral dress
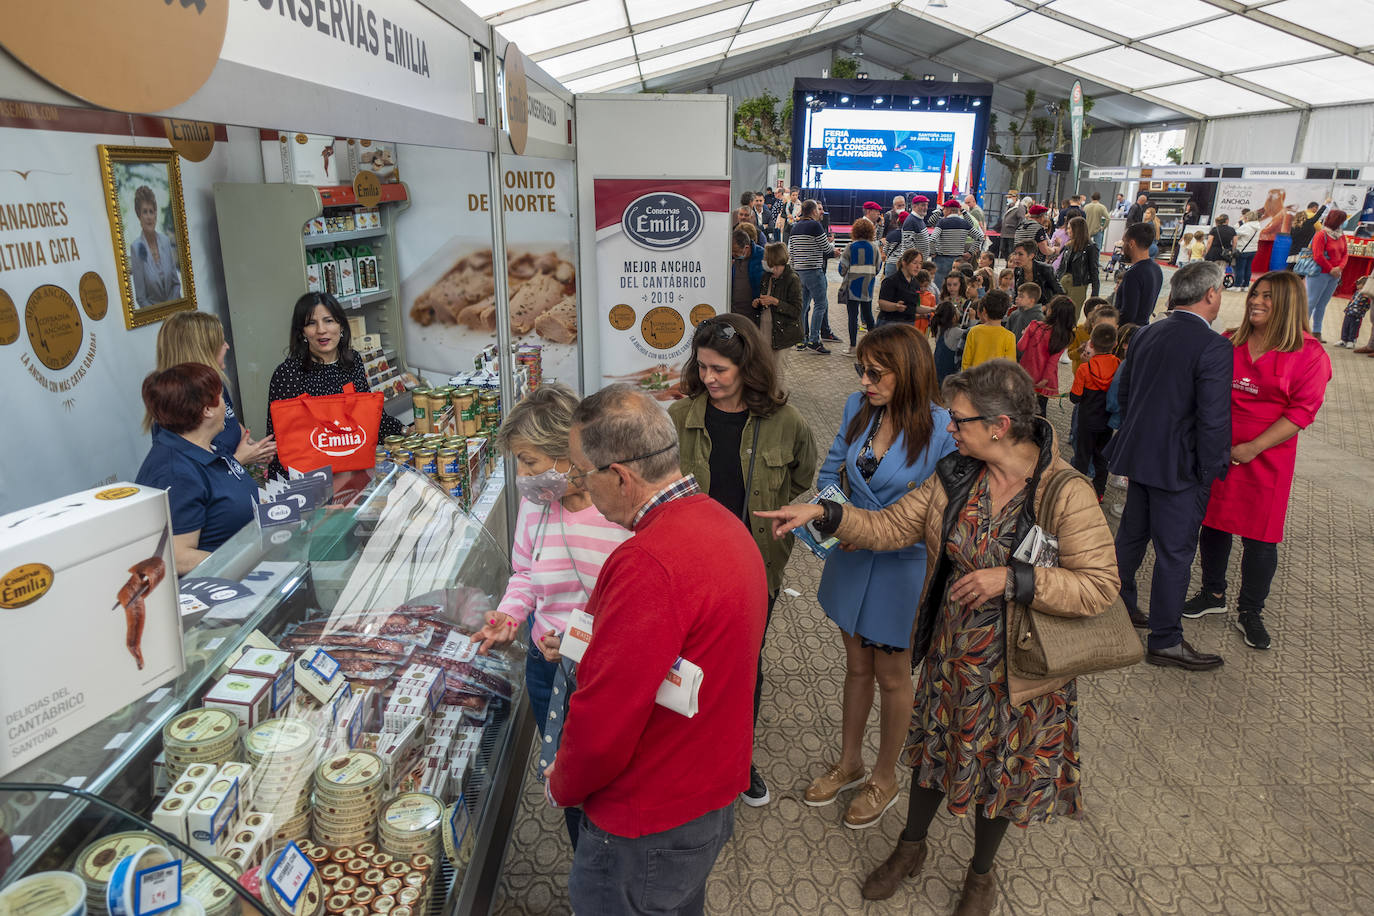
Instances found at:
x=984 y=741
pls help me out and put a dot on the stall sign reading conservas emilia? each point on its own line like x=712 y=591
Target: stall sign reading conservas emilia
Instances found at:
x=661 y=258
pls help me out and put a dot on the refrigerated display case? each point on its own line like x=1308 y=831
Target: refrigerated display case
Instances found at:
x=383 y=731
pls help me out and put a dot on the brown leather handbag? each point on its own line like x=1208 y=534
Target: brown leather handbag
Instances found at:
x=1046 y=646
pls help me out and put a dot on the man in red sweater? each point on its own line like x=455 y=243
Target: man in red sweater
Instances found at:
x=657 y=788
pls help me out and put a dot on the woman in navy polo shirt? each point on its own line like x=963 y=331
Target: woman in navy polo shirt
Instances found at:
x=211 y=495
x=198 y=337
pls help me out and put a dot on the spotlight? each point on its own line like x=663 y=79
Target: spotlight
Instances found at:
x=928 y=77
x=862 y=74
x=810 y=98
x=915 y=101
x=878 y=100
x=844 y=99
x=939 y=101
x=977 y=103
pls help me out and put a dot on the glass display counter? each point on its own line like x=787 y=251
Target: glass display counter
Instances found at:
x=331 y=678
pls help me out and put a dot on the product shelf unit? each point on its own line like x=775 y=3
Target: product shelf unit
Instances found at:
x=264 y=253
x=399 y=542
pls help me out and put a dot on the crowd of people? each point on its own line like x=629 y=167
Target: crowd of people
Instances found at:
x=942 y=456
x=940 y=468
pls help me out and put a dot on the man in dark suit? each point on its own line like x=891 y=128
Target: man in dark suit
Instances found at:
x=1175 y=439
x=1139 y=288
x=1027 y=269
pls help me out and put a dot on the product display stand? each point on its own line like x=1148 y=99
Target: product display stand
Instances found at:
x=264 y=249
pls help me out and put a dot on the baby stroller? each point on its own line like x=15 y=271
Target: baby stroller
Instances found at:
x=1116 y=267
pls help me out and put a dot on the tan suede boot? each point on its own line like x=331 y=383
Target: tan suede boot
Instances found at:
x=905 y=862
x=980 y=893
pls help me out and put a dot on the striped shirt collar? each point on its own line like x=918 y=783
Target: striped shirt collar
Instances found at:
x=683 y=486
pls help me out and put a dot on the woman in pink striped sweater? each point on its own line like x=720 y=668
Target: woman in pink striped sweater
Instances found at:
x=561 y=543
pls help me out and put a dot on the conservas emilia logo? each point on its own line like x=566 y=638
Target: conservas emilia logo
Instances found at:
x=662 y=221
x=25 y=585
x=339 y=442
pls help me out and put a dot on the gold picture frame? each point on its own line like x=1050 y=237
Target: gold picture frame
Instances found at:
x=152 y=257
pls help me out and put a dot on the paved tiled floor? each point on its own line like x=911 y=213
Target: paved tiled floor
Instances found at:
x=1245 y=791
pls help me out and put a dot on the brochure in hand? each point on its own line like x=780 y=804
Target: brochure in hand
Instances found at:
x=815 y=542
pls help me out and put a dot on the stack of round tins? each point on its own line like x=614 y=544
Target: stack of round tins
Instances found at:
x=348 y=791
x=309 y=903
x=48 y=893
x=199 y=736
x=409 y=825
x=96 y=863
x=199 y=883
x=282 y=752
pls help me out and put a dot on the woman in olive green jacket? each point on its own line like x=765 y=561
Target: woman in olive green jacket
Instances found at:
x=747 y=447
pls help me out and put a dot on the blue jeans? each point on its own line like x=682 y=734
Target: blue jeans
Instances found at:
x=943 y=262
x=1243 y=262
x=814 y=291
x=659 y=873
x=1319 y=290
x=1099 y=238
x=539 y=673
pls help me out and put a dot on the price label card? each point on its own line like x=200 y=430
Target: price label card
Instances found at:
x=289 y=873
x=324 y=665
x=458 y=822
x=157 y=889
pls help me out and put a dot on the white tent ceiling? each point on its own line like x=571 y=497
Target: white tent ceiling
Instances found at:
x=1142 y=62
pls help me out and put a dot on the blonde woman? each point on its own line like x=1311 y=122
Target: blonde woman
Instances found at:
x=1151 y=219
x=198 y=337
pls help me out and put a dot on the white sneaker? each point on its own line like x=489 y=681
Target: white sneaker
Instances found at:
x=847 y=351
x=1065 y=360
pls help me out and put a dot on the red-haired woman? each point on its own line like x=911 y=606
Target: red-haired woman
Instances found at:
x=211 y=496
x=893 y=432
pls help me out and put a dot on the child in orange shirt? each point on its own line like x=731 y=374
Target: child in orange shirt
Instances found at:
x=1090 y=386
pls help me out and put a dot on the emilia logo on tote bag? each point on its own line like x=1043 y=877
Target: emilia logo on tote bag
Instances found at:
x=338 y=442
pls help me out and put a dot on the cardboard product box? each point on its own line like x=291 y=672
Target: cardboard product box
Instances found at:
x=314 y=280
x=249 y=840
x=299 y=158
x=348 y=271
x=446 y=721
x=269 y=663
x=376 y=157
x=243 y=772
x=255 y=640
x=249 y=698
x=212 y=816
x=88 y=598
x=317 y=674
x=371 y=341
x=368 y=279
x=357 y=326
x=173 y=812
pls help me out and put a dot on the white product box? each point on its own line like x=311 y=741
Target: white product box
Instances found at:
x=243 y=772
x=314 y=281
x=212 y=815
x=254 y=640
x=269 y=663
x=317 y=673
x=376 y=157
x=249 y=698
x=172 y=813
x=370 y=341
x=249 y=840
x=64 y=568
x=299 y=158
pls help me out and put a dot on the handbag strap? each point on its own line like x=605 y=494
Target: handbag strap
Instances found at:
x=1050 y=498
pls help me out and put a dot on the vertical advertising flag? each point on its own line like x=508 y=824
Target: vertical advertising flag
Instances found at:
x=1076 y=125
x=662 y=248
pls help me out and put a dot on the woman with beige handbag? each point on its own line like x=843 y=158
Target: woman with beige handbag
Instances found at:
x=985 y=739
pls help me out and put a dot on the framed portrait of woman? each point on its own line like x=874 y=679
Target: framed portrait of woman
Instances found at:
x=148 y=229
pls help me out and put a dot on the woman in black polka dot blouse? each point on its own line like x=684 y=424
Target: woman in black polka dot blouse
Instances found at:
x=321 y=361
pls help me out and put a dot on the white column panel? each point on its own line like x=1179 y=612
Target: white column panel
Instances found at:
x=1251 y=138
x=1343 y=134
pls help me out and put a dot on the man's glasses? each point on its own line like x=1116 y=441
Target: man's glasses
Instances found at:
x=577 y=475
x=872 y=372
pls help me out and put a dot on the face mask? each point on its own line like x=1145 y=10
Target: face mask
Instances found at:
x=543 y=489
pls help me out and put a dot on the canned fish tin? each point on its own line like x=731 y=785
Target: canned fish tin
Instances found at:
x=383 y=904
x=311 y=901
x=349 y=775
x=48 y=893
x=367 y=850
x=398 y=869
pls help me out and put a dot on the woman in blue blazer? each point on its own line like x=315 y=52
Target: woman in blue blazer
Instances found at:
x=892 y=434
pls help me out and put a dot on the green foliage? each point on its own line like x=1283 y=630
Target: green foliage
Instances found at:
x=844 y=68
x=1031 y=137
x=1175 y=155
x=760 y=127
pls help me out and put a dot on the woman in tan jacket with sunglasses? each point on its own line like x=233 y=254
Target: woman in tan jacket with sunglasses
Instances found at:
x=982 y=741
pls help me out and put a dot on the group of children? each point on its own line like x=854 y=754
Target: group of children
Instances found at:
x=1038 y=338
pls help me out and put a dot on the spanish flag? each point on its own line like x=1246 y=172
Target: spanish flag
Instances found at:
x=955 y=188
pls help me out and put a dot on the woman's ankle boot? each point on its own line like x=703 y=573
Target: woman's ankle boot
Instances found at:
x=905 y=862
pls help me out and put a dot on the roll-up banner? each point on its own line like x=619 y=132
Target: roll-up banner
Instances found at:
x=662 y=250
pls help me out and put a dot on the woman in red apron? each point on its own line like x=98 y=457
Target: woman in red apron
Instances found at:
x=1277 y=386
